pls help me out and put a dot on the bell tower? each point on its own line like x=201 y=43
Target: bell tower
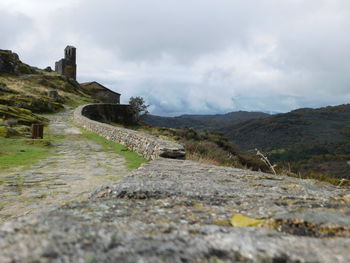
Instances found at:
x=67 y=66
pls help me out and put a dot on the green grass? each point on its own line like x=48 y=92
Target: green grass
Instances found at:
x=76 y=101
x=22 y=152
x=133 y=159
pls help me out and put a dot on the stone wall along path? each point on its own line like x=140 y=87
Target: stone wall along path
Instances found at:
x=148 y=146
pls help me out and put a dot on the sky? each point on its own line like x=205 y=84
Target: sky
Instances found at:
x=193 y=56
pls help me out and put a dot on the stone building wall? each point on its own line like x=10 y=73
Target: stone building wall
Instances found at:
x=100 y=92
x=59 y=66
x=108 y=97
x=147 y=145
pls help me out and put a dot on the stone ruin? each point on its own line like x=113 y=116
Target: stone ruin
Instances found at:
x=53 y=94
x=67 y=66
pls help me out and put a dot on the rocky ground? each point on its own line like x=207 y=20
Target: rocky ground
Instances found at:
x=75 y=167
x=183 y=211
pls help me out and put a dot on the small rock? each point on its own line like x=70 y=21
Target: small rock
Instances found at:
x=34 y=195
x=53 y=94
x=48 y=69
x=347 y=198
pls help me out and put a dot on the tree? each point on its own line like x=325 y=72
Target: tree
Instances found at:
x=138 y=107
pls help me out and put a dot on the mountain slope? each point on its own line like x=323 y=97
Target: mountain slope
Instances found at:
x=309 y=139
x=312 y=142
x=202 y=122
x=322 y=126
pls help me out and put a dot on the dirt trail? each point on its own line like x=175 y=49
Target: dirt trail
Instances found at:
x=77 y=165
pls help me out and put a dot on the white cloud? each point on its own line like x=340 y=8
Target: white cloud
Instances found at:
x=13 y=27
x=194 y=55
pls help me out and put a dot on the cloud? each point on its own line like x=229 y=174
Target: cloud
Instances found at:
x=198 y=56
x=12 y=27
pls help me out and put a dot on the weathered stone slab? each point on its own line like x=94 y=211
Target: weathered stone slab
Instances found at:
x=180 y=211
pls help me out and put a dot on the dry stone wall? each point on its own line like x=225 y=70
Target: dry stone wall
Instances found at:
x=147 y=145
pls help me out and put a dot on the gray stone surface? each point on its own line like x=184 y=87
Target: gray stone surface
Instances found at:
x=180 y=211
x=9 y=62
x=147 y=145
x=53 y=94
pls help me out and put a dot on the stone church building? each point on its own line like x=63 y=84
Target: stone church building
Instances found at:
x=100 y=92
x=67 y=66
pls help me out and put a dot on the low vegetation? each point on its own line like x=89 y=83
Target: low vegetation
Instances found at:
x=205 y=147
x=18 y=116
x=293 y=169
x=312 y=143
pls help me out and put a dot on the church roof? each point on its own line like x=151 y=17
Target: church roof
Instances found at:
x=70 y=47
x=97 y=86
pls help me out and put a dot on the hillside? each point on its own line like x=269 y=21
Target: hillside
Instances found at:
x=202 y=122
x=309 y=139
x=314 y=143
x=26 y=91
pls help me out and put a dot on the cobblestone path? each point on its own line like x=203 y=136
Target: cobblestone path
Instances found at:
x=75 y=167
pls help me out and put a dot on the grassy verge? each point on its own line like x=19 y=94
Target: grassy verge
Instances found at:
x=22 y=152
x=133 y=159
x=75 y=101
x=204 y=147
x=317 y=176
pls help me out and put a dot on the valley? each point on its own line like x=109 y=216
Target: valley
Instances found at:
x=311 y=143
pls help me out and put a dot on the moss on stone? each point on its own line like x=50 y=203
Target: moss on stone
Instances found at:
x=22 y=129
x=23 y=116
x=6 y=132
x=32 y=103
x=3 y=131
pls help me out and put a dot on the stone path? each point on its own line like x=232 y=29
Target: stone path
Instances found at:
x=77 y=165
x=180 y=211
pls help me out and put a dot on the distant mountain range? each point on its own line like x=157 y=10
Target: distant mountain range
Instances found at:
x=329 y=125
x=308 y=140
x=203 y=122
x=316 y=140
